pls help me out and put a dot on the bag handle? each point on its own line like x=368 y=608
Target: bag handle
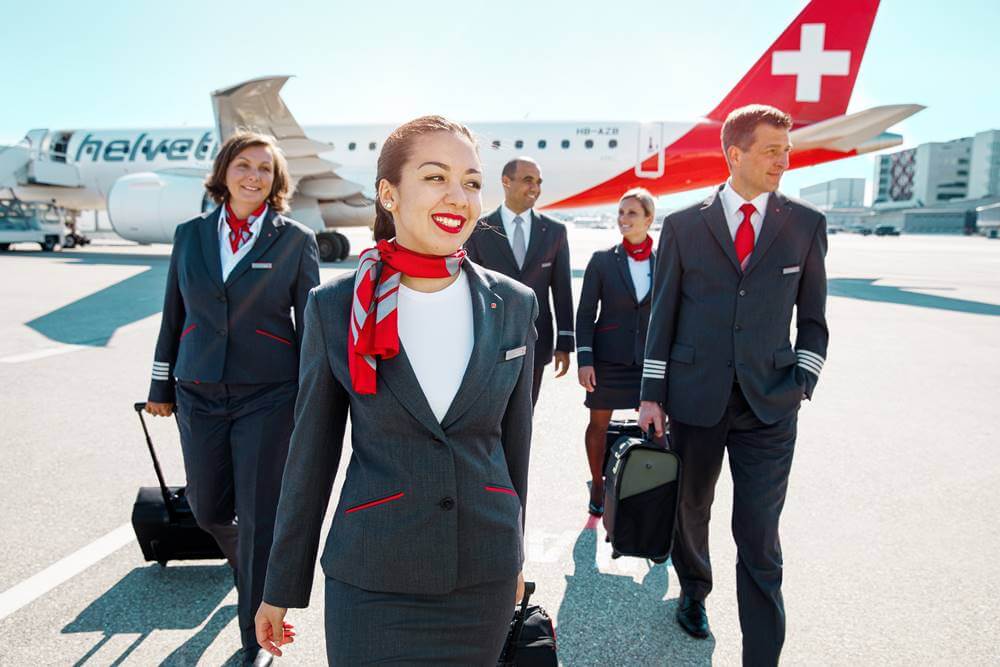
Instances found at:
x=529 y=589
x=167 y=498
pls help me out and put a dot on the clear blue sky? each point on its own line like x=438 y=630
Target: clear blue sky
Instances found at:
x=145 y=64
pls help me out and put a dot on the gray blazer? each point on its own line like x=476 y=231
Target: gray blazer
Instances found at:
x=426 y=506
x=239 y=331
x=712 y=323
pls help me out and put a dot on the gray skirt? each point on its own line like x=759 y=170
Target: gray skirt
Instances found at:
x=464 y=627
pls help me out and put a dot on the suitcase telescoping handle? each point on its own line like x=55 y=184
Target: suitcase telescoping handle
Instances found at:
x=167 y=499
x=529 y=589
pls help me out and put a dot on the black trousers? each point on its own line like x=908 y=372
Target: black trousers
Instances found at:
x=235 y=441
x=760 y=458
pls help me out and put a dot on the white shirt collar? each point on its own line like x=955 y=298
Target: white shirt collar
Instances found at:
x=507 y=216
x=732 y=201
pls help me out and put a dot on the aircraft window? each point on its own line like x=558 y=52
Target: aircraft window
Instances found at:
x=541 y=143
x=613 y=143
x=351 y=146
x=518 y=144
x=371 y=146
x=589 y=143
x=565 y=143
x=496 y=143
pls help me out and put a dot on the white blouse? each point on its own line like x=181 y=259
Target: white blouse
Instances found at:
x=640 y=277
x=437 y=332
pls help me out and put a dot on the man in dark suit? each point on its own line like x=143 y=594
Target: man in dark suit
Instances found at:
x=532 y=249
x=729 y=273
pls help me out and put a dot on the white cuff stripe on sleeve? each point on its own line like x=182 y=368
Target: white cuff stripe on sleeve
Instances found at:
x=812 y=356
x=811 y=369
x=650 y=373
x=567 y=333
x=584 y=349
x=810 y=365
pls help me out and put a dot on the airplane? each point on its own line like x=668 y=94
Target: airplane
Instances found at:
x=151 y=180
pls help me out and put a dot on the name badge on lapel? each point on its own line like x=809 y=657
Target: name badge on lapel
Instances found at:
x=546 y=265
x=260 y=265
x=516 y=352
x=790 y=269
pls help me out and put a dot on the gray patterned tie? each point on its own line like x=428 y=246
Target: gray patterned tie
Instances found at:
x=520 y=247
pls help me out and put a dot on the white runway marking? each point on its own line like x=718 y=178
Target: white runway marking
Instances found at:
x=34 y=587
x=41 y=354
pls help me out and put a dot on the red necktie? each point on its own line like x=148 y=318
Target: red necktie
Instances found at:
x=744 y=235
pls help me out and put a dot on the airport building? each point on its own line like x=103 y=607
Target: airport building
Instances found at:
x=984 y=165
x=923 y=176
x=838 y=193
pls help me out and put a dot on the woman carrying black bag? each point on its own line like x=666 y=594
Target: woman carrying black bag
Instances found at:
x=610 y=347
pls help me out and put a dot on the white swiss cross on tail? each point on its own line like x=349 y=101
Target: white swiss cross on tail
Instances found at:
x=810 y=63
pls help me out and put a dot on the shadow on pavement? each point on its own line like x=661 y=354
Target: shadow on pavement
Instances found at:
x=94 y=319
x=865 y=289
x=154 y=598
x=609 y=619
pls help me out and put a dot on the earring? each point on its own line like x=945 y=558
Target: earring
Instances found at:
x=387 y=205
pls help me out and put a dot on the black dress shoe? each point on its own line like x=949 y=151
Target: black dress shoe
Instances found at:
x=692 y=618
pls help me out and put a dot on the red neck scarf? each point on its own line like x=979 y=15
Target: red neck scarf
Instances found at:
x=239 y=230
x=374 y=328
x=640 y=252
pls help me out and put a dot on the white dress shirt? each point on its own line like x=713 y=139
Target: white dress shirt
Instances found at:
x=640 y=277
x=437 y=332
x=229 y=258
x=507 y=217
x=731 y=202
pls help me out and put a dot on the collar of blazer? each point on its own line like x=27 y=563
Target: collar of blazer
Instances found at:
x=497 y=235
x=270 y=230
x=774 y=219
x=621 y=259
x=487 y=317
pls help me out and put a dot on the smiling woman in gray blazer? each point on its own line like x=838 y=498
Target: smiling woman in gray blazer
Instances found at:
x=431 y=357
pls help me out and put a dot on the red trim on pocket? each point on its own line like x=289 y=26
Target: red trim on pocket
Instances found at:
x=271 y=335
x=373 y=503
x=187 y=331
x=501 y=489
x=609 y=327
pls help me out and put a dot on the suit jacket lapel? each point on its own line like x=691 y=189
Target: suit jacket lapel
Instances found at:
x=270 y=229
x=498 y=237
x=715 y=218
x=774 y=220
x=487 y=318
x=397 y=375
x=536 y=243
x=621 y=259
x=209 y=239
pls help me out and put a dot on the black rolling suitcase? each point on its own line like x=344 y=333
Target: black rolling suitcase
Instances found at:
x=162 y=519
x=642 y=479
x=531 y=640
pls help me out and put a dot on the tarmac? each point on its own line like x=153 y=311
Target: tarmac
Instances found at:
x=890 y=532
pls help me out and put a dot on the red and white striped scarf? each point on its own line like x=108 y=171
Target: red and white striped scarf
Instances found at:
x=374 y=324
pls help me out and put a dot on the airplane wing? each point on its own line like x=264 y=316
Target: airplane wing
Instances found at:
x=257 y=104
x=862 y=131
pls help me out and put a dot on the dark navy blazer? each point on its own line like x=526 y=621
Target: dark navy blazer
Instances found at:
x=618 y=334
x=239 y=331
x=546 y=267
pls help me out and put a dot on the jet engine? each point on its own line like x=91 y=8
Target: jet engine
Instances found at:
x=146 y=207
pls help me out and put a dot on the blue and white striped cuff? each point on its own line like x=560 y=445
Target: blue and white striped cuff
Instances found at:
x=161 y=371
x=654 y=369
x=810 y=361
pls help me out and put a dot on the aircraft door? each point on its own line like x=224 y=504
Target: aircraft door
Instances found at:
x=650 y=145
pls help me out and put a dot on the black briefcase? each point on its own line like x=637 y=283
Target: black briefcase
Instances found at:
x=642 y=480
x=162 y=519
x=531 y=640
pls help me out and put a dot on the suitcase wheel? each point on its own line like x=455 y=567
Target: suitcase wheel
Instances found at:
x=615 y=554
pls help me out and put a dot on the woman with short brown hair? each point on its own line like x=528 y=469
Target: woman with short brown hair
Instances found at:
x=227 y=356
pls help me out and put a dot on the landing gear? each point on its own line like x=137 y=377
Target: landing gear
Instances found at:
x=333 y=246
x=50 y=243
